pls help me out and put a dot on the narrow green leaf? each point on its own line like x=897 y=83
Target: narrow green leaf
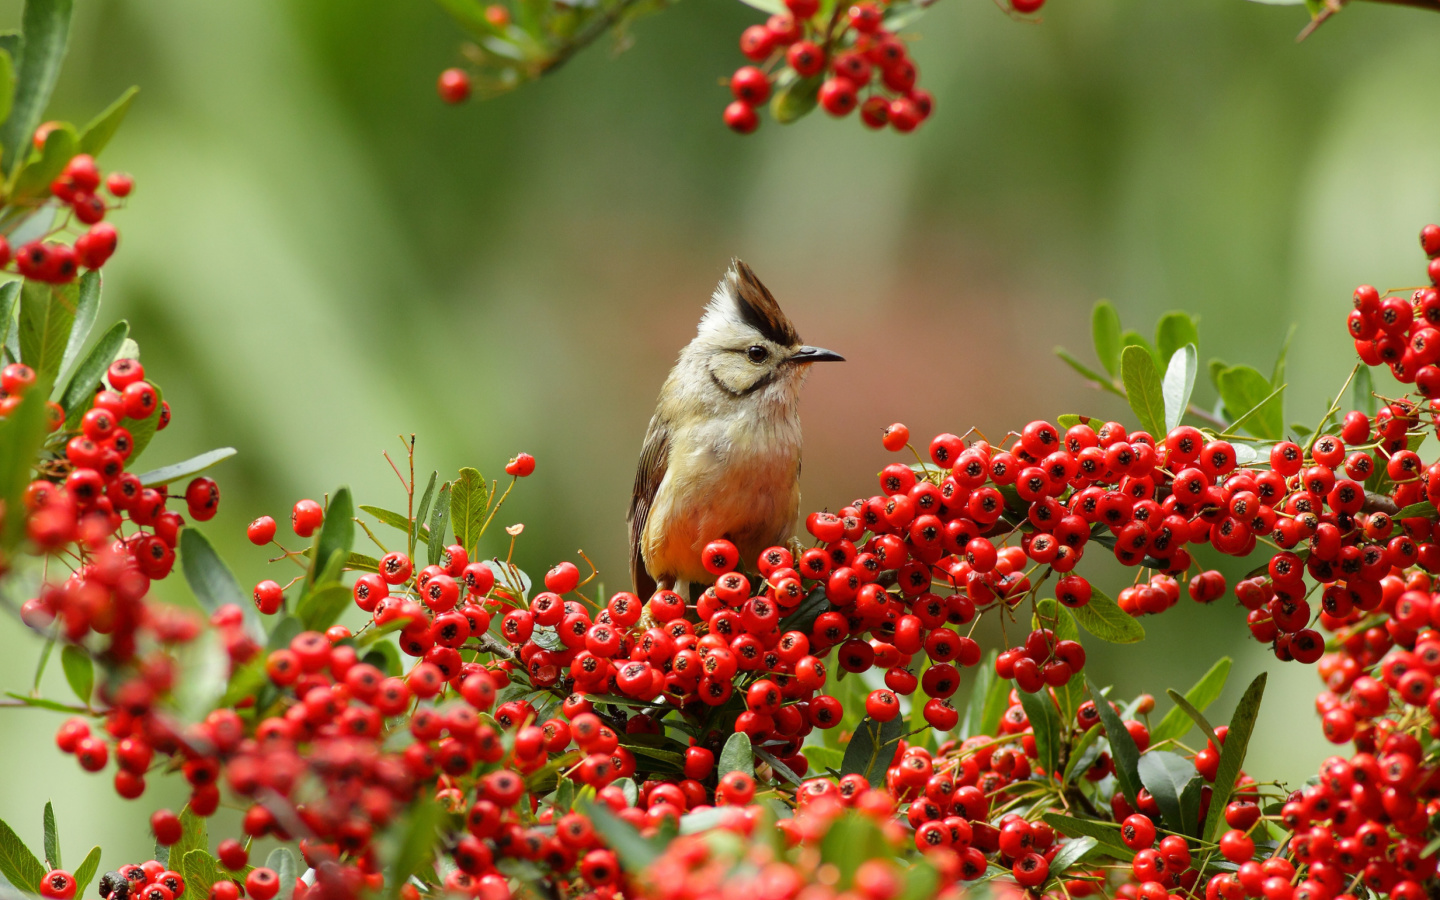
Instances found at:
x=80 y=674
x=1105 y=332
x=143 y=430
x=971 y=724
x=17 y=863
x=323 y=607
x=86 y=872
x=42 y=703
x=7 y=84
x=1178 y=384
x=1122 y=746
x=636 y=853
x=22 y=433
x=46 y=27
x=851 y=840
x=871 y=749
x=193 y=837
x=469 y=499
x=9 y=318
x=439 y=524
x=1232 y=754
x=86 y=309
x=1050 y=614
x=1072 y=852
x=1143 y=389
x=1362 y=388
x=1105 y=619
x=31 y=184
x=212 y=582
x=385 y=656
x=1045 y=723
x=102 y=128
x=1194 y=715
x=1173 y=331
x=424 y=508
x=778 y=767
x=282 y=862
x=47 y=312
x=738 y=755
x=397 y=521
x=795 y=98
x=1081 y=757
x=200 y=873
x=1277 y=375
x=52 y=838
x=192 y=466
x=1203 y=693
x=1166 y=775
x=1422 y=510
x=1258 y=405
x=823 y=759
x=81 y=390
x=997 y=700
x=336 y=535
x=1131 y=338
x=1088 y=373
x=1107 y=835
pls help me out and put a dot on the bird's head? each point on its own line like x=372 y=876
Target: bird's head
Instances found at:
x=746 y=341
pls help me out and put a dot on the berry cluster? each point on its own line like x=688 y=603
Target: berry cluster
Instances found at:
x=77 y=189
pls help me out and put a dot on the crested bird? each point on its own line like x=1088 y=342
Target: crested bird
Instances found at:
x=722 y=454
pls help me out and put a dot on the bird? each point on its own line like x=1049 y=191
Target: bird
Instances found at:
x=721 y=457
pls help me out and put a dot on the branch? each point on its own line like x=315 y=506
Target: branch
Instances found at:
x=1334 y=6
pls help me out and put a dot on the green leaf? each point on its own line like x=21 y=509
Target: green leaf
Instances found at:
x=1078 y=754
x=17 y=863
x=7 y=84
x=469 y=499
x=282 y=862
x=776 y=766
x=86 y=309
x=1194 y=715
x=1050 y=614
x=1277 y=375
x=1215 y=367
x=31 y=184
x=46 y=28
x=323 y=607
x=1167 y=775
x=1257 y=405
x=9 y=320
x=1422 y=510
x=1105 y=331
x=1130 y=338
x=397 y=521
x=802 y=618
x=385 y=656
x=1073 y=851
x=1105 y=619
x=47 y=311
x=795 y=98
x=212 y=582
x=1122 y=746
x=773 y=7
x=823 y=759
x=1087 y=373
x=851 y=840
x=1362 y=388
x=193 y=837
x=42 y=703
x=200 y=873
x=143 y=430
x=80 y=674
x=871 y=748
x=1043 y=719
x=81 y=390
x=417 y=845
x=52 y=838
x=1143 y=389
x=86 y=873
x=336 y=535
x=439 y=524
x=192 y=466
x=989 y=697
x=1178 y=384
x=1105 y=834
x=636 y=853
x=1173 y=331
x=737 y=755
x=1203 y=693
x=22 y=433
x=1232 y=754
x=102 y=128
x=628 y=788
x=424 y=508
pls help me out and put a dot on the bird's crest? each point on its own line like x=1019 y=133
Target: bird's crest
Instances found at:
x=740 y=295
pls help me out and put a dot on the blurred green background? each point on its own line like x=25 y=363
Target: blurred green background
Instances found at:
x=320 y=256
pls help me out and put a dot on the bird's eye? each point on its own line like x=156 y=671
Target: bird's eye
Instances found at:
x=757 y=354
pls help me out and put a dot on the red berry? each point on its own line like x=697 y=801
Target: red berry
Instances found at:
x=757 y=42
x=453 y=86
x=875 y=112
x=802 y=9
x=202 y=496
x=140 y=400
x=268 y=597
x=904 y=115
x=57 y=884
x=119 y=184
x=837 y=95
x=262 y=884
x=806 y=58
x=865 y=17
x=166 y=827
x=305 y=517
x=750 y=85
x=882 y=705
x=233 y=854
x=1025 y=7
x=521 y=465
x=261 y=531
x=42 y=133
x=740 y=117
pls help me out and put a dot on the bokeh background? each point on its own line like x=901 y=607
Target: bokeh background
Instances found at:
x=319 y=257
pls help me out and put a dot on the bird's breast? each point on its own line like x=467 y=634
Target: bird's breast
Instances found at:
x=736 y=477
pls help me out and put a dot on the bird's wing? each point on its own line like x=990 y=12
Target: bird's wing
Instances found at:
x=654 y=458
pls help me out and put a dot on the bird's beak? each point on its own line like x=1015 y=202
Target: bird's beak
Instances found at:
x=815 y=354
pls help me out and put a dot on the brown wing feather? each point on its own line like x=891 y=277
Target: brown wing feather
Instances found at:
x=651 y=471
